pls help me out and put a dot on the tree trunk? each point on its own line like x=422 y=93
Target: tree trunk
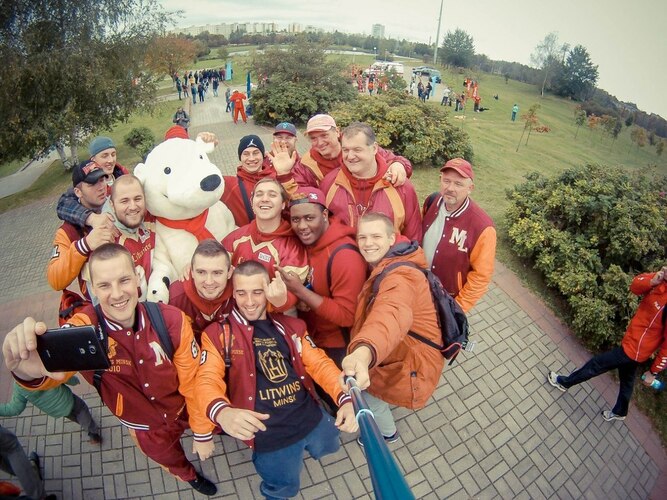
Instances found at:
x=60 y=148
x=544 y=83
x=520 y=139
x=529 y=131
x=577 y=131
x=73 y=142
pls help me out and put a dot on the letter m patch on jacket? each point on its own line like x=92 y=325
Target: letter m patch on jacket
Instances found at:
x=459 y=237
x=160 y=355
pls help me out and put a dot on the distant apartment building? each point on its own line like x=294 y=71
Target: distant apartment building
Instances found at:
x=378 y=31
x=227 y=29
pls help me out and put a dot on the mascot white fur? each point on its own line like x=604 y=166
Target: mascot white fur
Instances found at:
x=183 y=190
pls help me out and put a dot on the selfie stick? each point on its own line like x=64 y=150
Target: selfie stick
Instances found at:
x=387 y=478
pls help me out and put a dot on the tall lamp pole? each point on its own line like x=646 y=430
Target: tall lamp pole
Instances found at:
x=437 y=37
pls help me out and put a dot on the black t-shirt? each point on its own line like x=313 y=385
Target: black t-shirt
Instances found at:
x=280 y=391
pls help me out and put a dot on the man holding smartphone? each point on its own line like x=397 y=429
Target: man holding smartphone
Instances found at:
x=145 y=389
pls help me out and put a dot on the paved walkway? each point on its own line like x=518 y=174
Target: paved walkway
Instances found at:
x=493 y=429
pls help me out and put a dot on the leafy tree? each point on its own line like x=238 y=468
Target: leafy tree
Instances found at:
x=629 y=120
x=579 y=75
x=401 y=123
x=579 y=119
x=78 y=67
x=169 y=54
x=545 y=57
x=300 y=82
x=616 y=132
x=395 y=81
x=660 y=147
x=638 y=136
x=531 y=122
x=458 y=48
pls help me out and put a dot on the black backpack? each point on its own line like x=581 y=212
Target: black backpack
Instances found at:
x=156 y=320
x=451 y=318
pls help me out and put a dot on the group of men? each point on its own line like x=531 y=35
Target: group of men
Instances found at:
x=265 y=322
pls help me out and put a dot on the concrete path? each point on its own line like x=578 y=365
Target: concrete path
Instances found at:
x=493 y=429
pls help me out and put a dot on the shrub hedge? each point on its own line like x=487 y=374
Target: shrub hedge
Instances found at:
x=589 y=231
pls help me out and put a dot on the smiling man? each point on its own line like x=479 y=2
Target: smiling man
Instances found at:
x=337 y=271
x=255 y=381
x=269 y=239
x=361 y=185
x=459 y=238
x=251 y=169
x=326 y=155
x=136 y=228
x=143 y=388
x=206 y=295
x=394 y=367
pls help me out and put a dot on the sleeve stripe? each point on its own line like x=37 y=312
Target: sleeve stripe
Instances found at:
x=215 y=409
x=82 y=246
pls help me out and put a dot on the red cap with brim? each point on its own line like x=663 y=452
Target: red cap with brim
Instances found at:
x=176 y=132
x=306 y=194
x=462 y=166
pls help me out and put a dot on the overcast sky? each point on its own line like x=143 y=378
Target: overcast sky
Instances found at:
x=626 y=39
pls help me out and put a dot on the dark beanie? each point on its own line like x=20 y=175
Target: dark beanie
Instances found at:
x=250 y=141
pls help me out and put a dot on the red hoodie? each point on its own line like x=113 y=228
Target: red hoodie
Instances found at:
x=202 y=312
x=348 y=274
x=232 y=196
x=279 y=247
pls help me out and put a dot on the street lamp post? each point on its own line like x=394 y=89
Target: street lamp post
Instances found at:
x=375 y=54
x=354 y=50
x=437 y=36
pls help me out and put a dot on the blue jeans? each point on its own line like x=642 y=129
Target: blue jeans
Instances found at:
x=280 y=469
x=13 y=460
x=602 y=363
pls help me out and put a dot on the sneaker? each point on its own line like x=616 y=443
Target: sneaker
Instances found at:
x=387 y=439
x=34 y=460
x=203 y=485
x=552 y=378
x=94 y=438
x=609 y=415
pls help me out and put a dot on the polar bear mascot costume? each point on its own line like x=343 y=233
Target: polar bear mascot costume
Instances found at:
x=183 y=190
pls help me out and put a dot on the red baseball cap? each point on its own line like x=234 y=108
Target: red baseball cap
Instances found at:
x=462 y=166
x=307 y=194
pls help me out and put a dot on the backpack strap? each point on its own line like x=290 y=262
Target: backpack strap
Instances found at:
x=157 y=321
x=246 y=200
x=97 y=376
x=429 y=201
x=344 y=330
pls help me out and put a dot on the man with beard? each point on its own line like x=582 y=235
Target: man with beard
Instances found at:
x=206 y=295
x=337 y=272
x=458 y=237
x=136 y=227
x=269 y=239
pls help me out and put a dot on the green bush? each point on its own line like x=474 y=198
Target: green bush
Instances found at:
x=408 y=127
x=589 y=231
x=141 y=139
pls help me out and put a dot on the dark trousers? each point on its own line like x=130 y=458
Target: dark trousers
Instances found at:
x=602 y=363
x=81 y=415
x=13 y=460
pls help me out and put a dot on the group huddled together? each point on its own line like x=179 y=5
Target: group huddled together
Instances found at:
x=260 y=318
x=263 y=319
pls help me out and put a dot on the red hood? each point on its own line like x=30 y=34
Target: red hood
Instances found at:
x=334 y=233
x=256 y=176
x=208 y=307
x=285 y=229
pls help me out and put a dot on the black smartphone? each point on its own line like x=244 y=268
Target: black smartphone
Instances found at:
x=72 y=349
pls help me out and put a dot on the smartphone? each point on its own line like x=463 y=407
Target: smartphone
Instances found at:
x=72 y=349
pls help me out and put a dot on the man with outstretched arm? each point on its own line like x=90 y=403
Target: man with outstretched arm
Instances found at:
x=254 y=382
x=152 y=395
